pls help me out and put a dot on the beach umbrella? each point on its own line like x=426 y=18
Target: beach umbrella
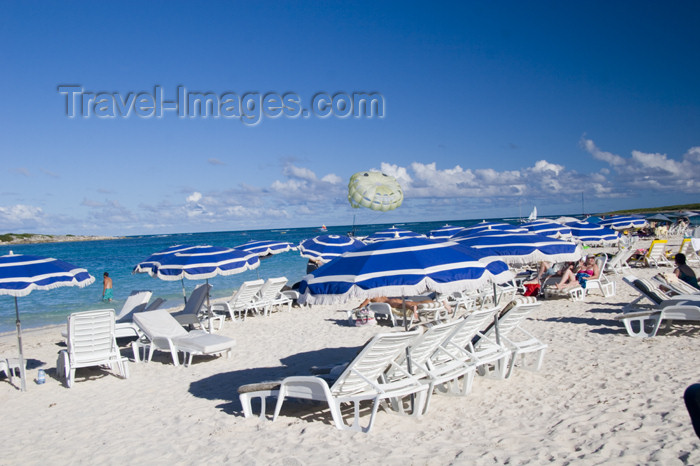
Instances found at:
x=549 y=228
x=20 y=274
x=488 y=226
x=590 y=233
x=327 y=247
x=445 y=232
x=374 y=190
x=392 y=233
x=264 y=248
x=196 y=263
x=624 y=222
x=520 y=248
x=400 y=267
x=659 y=218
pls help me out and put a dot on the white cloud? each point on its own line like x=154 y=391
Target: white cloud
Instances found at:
x=194 y=197
x=651 y=172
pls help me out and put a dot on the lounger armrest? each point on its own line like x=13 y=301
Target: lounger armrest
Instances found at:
x=637 y=314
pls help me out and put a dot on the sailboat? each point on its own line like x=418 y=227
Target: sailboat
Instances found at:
x=323 y=228
x=533 y=215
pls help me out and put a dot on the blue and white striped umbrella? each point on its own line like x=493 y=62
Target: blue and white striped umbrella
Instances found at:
x=266 y=247
x=489 y=226
x=590 y=233
x=327 y=247
x=150 y=265
x=400 y=267
x=624 y=222
x=21 y=274
x=203 y=263
x=549 y=228
x=521 y=248
x=392 y=233
x=445 y=232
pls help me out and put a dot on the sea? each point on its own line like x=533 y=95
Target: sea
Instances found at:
x=120 y=256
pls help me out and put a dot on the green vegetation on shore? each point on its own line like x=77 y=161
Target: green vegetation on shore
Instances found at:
x=670 y=208
x=24 y=238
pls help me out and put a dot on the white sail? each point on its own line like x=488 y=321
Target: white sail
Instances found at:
x=533 y=214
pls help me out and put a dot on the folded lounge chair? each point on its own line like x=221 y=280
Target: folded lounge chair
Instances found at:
x=91 y=342
x=161 y=331
x=361 y=380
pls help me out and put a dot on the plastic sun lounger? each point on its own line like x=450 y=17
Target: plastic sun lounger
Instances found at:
x=162 y=332
x=91 y=342
x=361 y=380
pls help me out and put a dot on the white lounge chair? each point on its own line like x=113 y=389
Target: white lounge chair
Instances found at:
x=513 y=337
x=383 y=311
x=655 y=255
x=462 y=337
x=687 y=249
x=91 y=342
x=241 y=300
x=161 y=331
x=270 y=295
x=618 y=263
x=602 y=283
x=136 y=302
x=441 y=368
x=646 y=322
x=361 y=380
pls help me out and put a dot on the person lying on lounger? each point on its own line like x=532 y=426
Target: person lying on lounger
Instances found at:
x=578 y=276
x=397 y=303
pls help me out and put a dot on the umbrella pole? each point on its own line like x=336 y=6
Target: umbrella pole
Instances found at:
x=408 y=353
x=22 y=374
x=184 y=292
x=209 y=313
x=495 y=317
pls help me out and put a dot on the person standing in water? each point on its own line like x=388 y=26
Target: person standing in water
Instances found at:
x=106 y=288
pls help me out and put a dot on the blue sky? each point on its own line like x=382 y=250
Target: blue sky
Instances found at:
x=490 y=108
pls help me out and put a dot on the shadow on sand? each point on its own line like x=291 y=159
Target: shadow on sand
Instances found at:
x=224 y=386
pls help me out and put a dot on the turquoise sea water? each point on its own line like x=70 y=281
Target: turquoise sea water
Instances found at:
x=118 y=257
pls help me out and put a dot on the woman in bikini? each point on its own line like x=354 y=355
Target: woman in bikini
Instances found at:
x=585 y=271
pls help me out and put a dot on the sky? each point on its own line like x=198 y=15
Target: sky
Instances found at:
x=480 y=110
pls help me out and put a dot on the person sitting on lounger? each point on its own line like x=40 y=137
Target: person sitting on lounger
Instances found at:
x=684 y=272
x=578 y=276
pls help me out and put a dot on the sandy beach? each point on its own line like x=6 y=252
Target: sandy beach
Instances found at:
x=602 y=397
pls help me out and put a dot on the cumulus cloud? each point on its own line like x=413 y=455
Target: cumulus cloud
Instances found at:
x=651 y=171
x=194 y=197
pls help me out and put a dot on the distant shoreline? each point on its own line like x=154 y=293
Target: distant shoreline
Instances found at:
x=28 y=238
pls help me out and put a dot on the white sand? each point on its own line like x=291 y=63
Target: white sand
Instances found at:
x=602 y=397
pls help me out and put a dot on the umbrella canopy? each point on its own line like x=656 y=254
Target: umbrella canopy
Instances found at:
x=520 y=247
x=659 y=218
x=589 y=233
x=392 y=233
x=266 y=247
x=196 y=263
x=21 y=274
x=488 y=226
x=327 y=247
x=624 y=222
x=203 y=262
x=400 y=267
x=549 y=228
x=445 y=232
